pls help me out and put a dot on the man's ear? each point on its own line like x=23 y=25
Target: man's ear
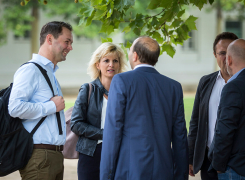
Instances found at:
x=135 y=56
x=49 y=39
x=215 y=55
x=228 y=60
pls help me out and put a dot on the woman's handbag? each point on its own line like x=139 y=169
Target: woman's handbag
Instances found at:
x=69 y=150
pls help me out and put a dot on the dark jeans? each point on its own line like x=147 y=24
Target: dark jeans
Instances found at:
x=204 y=169
x=88 y=167
x=230 y=174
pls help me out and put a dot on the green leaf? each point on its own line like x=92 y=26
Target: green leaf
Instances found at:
x=86 y=10
x=123 y=4
x=103 y=28
x=168 y=49
x=176 y=23
x=139 y=22
x=109 y=13
x=132 y=24
x=181 y=13
x=167 y=16
x=126 y=29
x=95 y=2
x=182 y=2
x=211 y=2
x=89 y=19
x=128 y=44
x=199 y=3
x=154 y=21
x=81 y=21
x=166 y=3
x=182 y=32
x=175 y=7
x=158 y=37
x=137 y=31
x=153 y=4
x=103 y=40
x=99 y=14
x=190 y=22
x=108 y=29
x=115 y=23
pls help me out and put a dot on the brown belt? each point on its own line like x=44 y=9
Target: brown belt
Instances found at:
x=48 y=146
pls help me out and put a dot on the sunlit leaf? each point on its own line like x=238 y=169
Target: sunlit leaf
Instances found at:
x=170 y=50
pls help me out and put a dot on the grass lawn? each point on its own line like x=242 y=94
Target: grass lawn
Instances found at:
x=188 y=104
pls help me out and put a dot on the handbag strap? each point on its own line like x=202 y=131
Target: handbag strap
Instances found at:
x=89 y=92
x=44 y=73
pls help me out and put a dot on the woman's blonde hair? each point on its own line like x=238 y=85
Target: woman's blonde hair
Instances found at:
x=102 y=51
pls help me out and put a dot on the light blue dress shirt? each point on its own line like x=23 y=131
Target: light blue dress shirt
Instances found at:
x=30 y=100
x=235 y=75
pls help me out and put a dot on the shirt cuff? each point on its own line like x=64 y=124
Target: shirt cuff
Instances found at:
x=50 y=106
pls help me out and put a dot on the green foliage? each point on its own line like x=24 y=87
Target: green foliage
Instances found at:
x=162 y=20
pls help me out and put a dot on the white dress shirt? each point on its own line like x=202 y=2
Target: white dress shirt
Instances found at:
x=30 y=100
x=143 y=65
x=103 y=113
x=213 y=106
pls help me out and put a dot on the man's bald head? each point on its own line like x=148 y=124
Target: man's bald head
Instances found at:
x=147 y=49
x=235 y=57
x=237 y=50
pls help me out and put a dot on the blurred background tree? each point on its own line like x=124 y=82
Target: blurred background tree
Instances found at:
x=22 y=17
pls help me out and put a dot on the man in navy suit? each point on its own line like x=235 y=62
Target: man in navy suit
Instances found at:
x=229 y=147
x=145 y=135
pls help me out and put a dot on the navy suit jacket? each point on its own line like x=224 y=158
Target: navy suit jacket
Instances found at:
x=145 y=135
x=229 y=145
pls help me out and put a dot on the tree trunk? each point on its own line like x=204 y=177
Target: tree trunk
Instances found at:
x=34 y=30
x=218 y=25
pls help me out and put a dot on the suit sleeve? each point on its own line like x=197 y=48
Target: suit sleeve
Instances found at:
x=229 y=113
x=79 y=123
x=179 y=143
x=194 y=124
x=114 y=123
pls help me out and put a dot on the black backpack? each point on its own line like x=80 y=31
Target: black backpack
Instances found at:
x=16 y=143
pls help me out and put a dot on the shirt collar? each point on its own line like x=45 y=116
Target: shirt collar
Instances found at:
x=220 y=76
x=45 y=62
x=143 y=65
x=235 y=75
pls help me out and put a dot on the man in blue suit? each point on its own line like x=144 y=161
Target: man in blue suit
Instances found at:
x=145 y=135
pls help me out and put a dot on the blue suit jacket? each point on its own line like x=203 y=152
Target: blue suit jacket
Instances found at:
x=145 y=135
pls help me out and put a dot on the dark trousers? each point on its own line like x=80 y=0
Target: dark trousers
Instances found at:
x=44 y=164
x=88 y=167
x=204 y=169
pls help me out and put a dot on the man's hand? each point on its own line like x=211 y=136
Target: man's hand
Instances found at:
x=191 y=170
x=59 y=103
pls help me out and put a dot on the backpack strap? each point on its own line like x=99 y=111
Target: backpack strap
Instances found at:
x=44 y=73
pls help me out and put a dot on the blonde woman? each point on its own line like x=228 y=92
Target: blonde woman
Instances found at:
x=88 y=119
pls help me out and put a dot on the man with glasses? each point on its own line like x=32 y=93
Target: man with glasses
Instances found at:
x=204 y=114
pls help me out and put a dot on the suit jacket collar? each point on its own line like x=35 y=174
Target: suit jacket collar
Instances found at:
x=147 y=69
